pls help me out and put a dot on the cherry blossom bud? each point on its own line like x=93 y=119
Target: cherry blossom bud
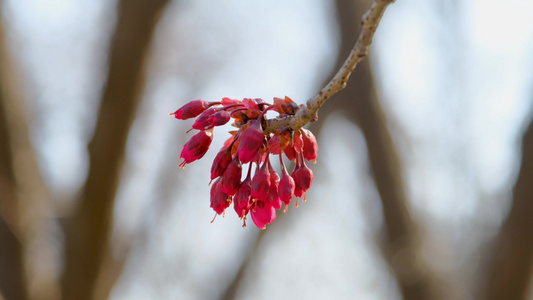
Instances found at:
x=250 y=104
x=261 y=183
x=221 y=162
x=191 y=109
x=289 y=152
x=242 y=201
x=298 y=142
x=274 y=144
x=310 y=148
x=219 y=200
x=219 y=118
x=196 y=147
x=286 y=187
x=251 y=141
x=232 y=177
x=273 y=196
x=202 y=122
x=303 y=178
x=228 y=101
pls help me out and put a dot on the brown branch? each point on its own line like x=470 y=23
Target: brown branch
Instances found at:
x=230 y=293
x=359 y=102
x=22 y=189
x=306 y=114
x=87 y=231
x=508 y=269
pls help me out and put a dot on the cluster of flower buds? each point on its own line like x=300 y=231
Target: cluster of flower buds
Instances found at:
x=264 y=192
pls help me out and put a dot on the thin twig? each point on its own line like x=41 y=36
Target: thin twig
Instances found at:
x=308 y=113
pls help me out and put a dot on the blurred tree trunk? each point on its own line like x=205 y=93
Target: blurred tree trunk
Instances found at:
x=21 y=185
x=401 y=246
x=508 y=270
x=88 y=229
x=12 y=275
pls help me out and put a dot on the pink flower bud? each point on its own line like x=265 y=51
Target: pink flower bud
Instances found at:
x=261 y=183
x=250 y=104
x=289 y=152
x=191 y=109
x=286 y=187
x=228 y=101
x=251 y=141
x=196 y=147
x=242 y=201
x=221 y=162
x=274 y=144
x=262 y=213
x=232 y=177
x=202 y=122
x=219 y=118
x=219 y=200
x=298 y=142
x=273 y=196
x=303 y=178
x=310 y=148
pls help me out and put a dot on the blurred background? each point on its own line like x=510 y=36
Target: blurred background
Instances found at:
x=423 y=188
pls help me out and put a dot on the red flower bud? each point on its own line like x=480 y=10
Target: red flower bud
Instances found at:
x=232 y=177
x=273 y=144
x=273 y=196
x=261 y=183
x=262 y=213
x=298 y=142
x=289 y=152
x=191 y=109
x=251 y=141
x=303 y=178
x=250 y=104
x=221 y=162
x=242 y=201
x=228 y=101
x=286 y=187
x=219 y=118
x=310 y=148
x=219 y=200
x=202 y=122
x=196 y=147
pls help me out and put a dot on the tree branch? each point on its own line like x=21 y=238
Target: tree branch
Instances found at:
x=359 y=102
x=308 y=113
x=87 y=231
x=508 y=270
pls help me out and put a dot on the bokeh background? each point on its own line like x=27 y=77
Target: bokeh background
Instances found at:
x=423 y=187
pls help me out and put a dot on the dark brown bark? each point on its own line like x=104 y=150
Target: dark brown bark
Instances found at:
x=12 y=275
x=87 y=231
x=508 y=269
x=359 y=102
x=12 y=272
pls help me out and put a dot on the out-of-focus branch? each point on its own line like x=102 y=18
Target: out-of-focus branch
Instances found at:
x=88 y=230
x=305 y=115
x=12 y=276
x=22 y=189
x=359 y=102
x=231 y=290
x=508 y=269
